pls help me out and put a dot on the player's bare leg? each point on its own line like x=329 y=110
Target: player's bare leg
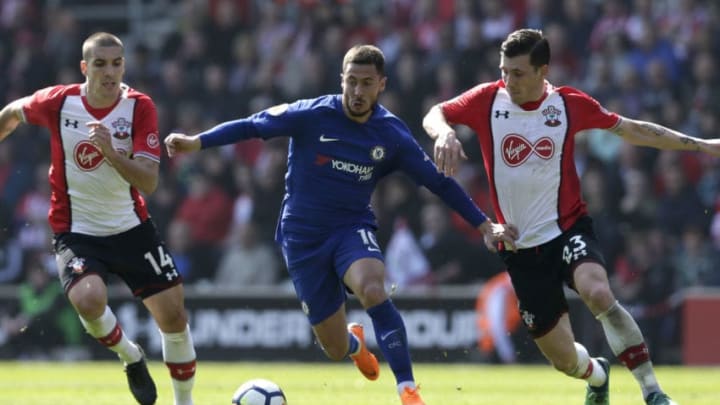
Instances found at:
x=338 y=341
x=332 y=335
x=622 y=332
x=89 y=297
x=168 y=309
x=571 y=358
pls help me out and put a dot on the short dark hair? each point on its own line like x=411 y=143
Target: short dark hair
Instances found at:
x=527 y=41
x=99 y=39
x=365 y=55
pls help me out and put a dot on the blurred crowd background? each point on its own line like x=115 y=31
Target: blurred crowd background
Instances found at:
x=206 y=61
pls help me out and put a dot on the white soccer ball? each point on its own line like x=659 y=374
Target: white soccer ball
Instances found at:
x=259 y=392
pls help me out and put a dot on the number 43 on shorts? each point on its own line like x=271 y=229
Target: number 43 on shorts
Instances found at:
x=575 y=249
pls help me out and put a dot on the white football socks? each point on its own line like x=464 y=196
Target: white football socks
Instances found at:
x=108 y=332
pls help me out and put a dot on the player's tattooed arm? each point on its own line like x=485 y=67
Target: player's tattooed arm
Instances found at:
x=643 y=133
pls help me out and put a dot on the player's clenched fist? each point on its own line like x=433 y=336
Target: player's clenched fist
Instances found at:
x=177 y=142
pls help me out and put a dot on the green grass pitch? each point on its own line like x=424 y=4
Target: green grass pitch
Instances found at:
x=100 y=383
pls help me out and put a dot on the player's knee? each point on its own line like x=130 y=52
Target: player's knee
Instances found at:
x=598 y=296
x=172 y=320
x=373 y=294
x=89 y=304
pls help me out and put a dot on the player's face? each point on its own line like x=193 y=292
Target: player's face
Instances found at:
x=104 y=72
x=524 y=82
x=361 y=85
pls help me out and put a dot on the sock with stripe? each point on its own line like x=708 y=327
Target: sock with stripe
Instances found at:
x=627 y=343
x=180 y=359
x=588 y=368
x=108 y=332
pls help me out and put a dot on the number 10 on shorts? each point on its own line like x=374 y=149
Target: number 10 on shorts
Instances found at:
x=369 y=240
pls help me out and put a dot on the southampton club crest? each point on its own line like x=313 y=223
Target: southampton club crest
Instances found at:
x=77 y=265
x=551 y=115
x=122 y=128
x=528 y=319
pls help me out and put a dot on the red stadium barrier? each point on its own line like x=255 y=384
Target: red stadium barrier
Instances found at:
x=701 y=331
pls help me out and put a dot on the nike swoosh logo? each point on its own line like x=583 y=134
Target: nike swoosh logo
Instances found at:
x=323 y=138
x=385 y=335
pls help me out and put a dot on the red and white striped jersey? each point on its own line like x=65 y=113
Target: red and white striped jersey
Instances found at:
x=528 y=153
x=88 y=195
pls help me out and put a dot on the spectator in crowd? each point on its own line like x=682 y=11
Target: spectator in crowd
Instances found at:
x=696 y=262
x=247 y=261
x=645 y=280
x=678 y=202
x=207 y=209
x=447 y=252
x=405 y=263
x=10 y=250
x=179 y=240
x=43 y=324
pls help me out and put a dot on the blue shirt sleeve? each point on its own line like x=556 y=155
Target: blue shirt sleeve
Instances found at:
x=280 y=120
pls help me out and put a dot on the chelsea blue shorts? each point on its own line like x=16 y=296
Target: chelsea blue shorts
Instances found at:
x=317 y=265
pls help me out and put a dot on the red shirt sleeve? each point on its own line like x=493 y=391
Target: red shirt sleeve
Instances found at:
x=146 y=141
x=43 y=107
x=471 y=107
x=586 y=112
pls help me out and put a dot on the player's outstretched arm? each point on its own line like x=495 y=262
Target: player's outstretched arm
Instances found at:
x=643 y=133
x=10 y=117
x=498 y=233
x=448 y=150
x=179 y=143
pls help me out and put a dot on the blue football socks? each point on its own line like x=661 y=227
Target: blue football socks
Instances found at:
x=391 y=337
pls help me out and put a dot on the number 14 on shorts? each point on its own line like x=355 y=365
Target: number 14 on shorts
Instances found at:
x=165 y=261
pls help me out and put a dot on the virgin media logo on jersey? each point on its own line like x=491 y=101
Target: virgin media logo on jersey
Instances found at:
x=516 y=149
x=87 y=156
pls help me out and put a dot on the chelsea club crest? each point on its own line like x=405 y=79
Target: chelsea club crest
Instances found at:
x=377 y=153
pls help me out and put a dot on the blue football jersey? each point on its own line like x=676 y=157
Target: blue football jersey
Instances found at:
x=334 y=163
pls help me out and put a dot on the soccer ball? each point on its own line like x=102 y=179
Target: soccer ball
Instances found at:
x=259 y=392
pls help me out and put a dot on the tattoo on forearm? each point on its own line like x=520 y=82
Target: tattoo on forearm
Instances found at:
x=692 y=143
x=654 y=129
x=659 y=131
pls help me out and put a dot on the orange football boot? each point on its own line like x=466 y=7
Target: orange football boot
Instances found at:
x=364 y=360
x=411 y=396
